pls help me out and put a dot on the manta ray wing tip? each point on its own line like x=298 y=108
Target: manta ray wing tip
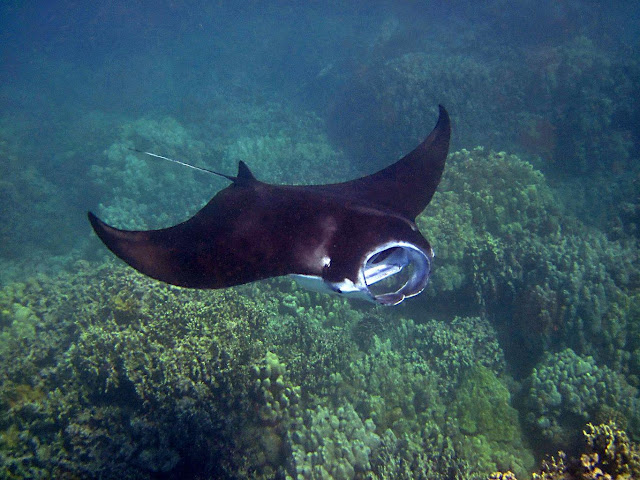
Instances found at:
x=443 y=118
x=94 y=220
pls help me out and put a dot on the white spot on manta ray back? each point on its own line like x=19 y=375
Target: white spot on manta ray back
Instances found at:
x=317 y=257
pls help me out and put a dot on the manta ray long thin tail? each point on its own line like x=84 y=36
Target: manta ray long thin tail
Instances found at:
x=184 y=164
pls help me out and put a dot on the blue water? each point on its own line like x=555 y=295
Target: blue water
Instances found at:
x=534 y=304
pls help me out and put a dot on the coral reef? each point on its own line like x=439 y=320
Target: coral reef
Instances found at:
x=331 y=444
x=608 y=454
x=586 y=90
x=142 y=193
x=564 y=94
x=411 y=385
x=565 y=390
x=545 y=278
x=490 y=434
x=392 y=101
x=31 y=201
x=128 y=377
x=106 y=373
x=123 y=380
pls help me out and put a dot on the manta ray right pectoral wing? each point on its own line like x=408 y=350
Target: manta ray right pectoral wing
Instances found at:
x=174 y=255
x=222 y=245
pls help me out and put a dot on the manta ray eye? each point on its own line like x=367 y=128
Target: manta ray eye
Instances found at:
x=395 y=271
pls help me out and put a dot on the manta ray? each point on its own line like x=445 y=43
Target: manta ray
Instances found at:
x=357 y=238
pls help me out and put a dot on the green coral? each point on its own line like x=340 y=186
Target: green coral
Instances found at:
x=331 y=443
x=406 y=381
x=566 y=390
x=131 y=378
x=482 y=404
x=545 y=278
x=490 y=433
x=607 y=453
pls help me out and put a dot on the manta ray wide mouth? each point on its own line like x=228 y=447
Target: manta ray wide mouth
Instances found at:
x=395 y=271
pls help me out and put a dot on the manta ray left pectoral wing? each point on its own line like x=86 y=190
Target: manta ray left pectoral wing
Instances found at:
x=407 y=186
